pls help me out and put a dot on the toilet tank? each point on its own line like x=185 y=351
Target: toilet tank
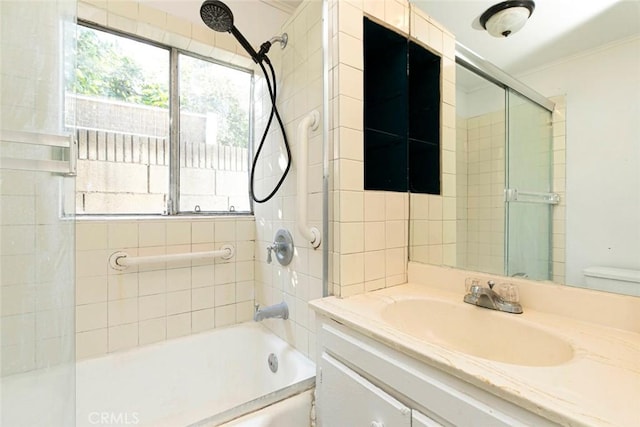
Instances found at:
x=618 y=280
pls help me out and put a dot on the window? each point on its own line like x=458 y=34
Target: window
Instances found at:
x=143 y=152
x=214 y=136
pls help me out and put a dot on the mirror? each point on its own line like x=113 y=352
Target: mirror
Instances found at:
x=595 y=169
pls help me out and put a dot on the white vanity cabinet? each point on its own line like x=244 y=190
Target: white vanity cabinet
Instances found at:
x=357 y=402
x=421 y=420
x=364 y=383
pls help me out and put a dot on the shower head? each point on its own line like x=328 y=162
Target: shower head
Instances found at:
x=217 y=16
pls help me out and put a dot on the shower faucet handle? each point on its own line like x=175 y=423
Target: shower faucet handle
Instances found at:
x=269 y=249
x=282 y=248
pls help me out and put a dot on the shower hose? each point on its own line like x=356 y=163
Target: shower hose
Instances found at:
x=274 y=111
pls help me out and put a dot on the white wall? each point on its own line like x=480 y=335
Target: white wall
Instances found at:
x=487 y=98
x=602 y=90
x=122 y=309
x=299 y=82
x=370 y=229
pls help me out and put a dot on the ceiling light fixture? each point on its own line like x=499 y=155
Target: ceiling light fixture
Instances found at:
x=506 y=18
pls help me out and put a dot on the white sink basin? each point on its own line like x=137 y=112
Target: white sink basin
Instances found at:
x=480 y=332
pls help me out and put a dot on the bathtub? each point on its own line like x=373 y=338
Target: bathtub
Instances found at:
x=291 y=412
x=206 y=379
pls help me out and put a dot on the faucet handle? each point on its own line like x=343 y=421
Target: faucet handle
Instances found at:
x=475 y=290
x=508 y=292
x=469 y=283
x=269 y=249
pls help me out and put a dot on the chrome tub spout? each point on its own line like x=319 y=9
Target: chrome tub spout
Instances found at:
x=272 y=311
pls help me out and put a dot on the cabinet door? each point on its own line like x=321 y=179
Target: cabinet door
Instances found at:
x=345 y=399
x=418 y=419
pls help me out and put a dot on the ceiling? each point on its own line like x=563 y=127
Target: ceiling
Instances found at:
x=556 y=29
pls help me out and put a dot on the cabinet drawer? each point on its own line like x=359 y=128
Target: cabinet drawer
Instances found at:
x=420 y=420
x=345 y=399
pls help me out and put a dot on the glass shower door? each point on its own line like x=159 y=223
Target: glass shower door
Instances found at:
x=528 y=189
x=37 y=229
x=480 y=170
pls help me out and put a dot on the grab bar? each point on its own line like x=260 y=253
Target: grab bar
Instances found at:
x=68 y=167
x=121 y=260
x=312 y=234
x=515 y=195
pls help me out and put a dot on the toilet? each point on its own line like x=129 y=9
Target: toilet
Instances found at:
x=618 y=280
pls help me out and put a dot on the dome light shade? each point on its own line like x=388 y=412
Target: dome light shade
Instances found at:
x=506 y=18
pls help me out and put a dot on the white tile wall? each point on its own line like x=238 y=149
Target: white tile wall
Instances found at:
x=122 y=309
x=116 y=310
x=299 y=71
x=559 y=186
x=485 y=192
x=433 y=238
x=388 y=213
x=136 y=18
x=176 y=300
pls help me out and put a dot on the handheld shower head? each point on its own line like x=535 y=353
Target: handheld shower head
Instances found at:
x=217 y=16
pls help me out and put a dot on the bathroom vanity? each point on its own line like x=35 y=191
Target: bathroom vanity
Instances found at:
x=416 y=355
x=363 y=382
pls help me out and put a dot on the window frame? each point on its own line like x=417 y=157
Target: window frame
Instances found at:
x=172 y=207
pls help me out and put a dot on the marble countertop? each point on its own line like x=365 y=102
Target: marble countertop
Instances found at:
x=599 y=386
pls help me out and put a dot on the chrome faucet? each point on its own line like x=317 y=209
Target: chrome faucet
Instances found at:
x=488 y=298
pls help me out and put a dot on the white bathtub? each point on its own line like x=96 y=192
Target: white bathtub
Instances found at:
x=200 y=380
x=291 y=412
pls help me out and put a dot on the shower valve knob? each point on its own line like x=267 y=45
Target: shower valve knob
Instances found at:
x=269 y=249
x=282 y=248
